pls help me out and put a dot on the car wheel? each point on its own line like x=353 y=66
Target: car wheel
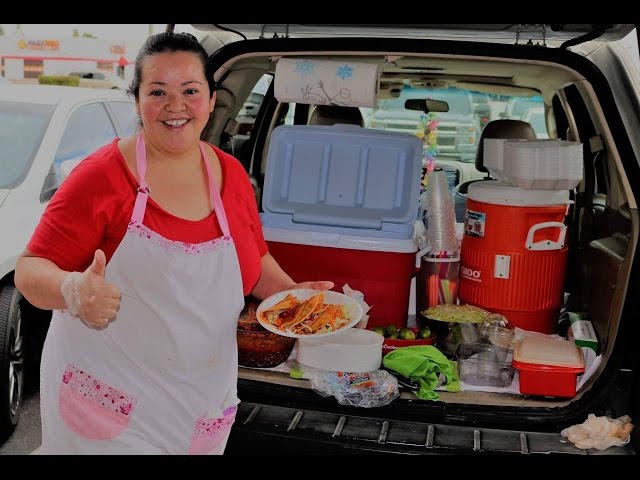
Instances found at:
x=11 y=359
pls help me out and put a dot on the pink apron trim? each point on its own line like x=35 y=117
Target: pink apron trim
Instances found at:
x=91 y=408
x=211 y=432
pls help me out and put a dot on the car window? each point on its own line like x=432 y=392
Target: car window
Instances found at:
x=126 y=116
x=455 y=133
x=517 y=106
x=247 y=114
x=23 y=126
x=89 y=127
x=535 y=116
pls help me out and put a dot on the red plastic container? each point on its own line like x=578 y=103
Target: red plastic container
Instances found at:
x=513 y=257
x=390 y=344
x=548 y=367
x=384 y=277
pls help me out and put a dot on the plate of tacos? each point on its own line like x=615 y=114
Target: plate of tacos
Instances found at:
x=304 y=313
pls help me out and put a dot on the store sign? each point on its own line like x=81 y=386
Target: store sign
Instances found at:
x=39 y=45
x=118 y=49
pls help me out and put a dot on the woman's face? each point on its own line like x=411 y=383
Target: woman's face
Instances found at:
x=173 y=100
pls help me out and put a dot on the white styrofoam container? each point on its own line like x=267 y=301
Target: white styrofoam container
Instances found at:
x=535 y=164
x=543 y=164
x=355 y=350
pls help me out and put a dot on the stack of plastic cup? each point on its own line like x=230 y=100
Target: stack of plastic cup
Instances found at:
x=441 y=217
x=437 y=281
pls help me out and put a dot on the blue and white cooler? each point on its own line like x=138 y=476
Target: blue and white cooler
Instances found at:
x=340 y=204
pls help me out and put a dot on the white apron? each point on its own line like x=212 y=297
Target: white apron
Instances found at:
x=161 y=378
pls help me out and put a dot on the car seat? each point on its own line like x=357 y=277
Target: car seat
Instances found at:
x=503 y=128
x=332 y=114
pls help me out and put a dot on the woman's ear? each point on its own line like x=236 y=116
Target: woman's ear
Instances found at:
x=138 y=108
x=212 y=102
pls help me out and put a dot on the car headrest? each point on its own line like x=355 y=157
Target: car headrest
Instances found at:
x=331 y=114
x=503 y=128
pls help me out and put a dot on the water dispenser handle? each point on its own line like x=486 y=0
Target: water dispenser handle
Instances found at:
x=546 y=244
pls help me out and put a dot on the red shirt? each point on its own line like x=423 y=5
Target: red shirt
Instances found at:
x=92 y=209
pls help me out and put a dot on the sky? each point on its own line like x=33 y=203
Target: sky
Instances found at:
x=129 y=33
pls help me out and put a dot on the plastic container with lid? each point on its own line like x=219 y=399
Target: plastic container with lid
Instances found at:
x=355 y=350
x=548 y=366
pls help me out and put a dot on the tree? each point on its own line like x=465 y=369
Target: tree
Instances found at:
x=88 y=35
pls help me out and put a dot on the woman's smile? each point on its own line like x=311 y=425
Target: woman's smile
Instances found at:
x=176 y=123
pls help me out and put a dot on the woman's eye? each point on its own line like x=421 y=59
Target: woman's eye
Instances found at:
x=191 y=91
x=156 y=93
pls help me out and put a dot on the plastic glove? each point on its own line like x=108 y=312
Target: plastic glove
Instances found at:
x=322 y=285
x=600 y=432
x=89 y=297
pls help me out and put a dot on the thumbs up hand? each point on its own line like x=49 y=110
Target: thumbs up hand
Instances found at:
x=89 y=297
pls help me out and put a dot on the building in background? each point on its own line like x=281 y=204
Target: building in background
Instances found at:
x=24 y=58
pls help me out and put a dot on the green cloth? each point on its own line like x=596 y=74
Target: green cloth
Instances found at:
x=423 y=363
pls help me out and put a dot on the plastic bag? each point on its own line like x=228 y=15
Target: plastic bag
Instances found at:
x=358 y=297
x=367 y=390
x=600 y=432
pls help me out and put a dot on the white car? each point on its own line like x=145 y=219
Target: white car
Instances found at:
x=99 y=79
x=46 y=130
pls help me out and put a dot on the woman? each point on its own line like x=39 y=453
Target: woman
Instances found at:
x=146 y=266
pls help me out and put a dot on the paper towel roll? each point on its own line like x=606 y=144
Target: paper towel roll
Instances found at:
x=326 y=82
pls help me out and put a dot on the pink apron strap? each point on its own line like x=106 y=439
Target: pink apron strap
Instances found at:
x=143 y=191
x=214 y=195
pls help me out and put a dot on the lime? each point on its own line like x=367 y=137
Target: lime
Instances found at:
x=406 y=334
x=379 y=330
x=424 y=333
x=394 y=335
x=391 y=329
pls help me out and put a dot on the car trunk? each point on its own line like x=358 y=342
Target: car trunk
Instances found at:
x=602 y=268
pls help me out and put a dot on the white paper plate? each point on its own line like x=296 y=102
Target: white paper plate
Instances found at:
x=330 y=297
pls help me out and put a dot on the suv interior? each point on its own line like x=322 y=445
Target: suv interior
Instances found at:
x=585 y=77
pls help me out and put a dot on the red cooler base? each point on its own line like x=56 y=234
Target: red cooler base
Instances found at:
x=383 y=277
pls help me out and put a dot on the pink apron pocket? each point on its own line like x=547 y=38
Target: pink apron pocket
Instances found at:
x=211 y=432
x=91 y=408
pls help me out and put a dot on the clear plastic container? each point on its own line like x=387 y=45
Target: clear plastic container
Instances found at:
x=497 y=334
x=484 y=364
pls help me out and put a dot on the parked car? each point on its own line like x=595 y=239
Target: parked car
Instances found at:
x=458 y=129
x=482 y=107
x=517 y=106
x=46 y=131
x=588 y=89
x=99 y=79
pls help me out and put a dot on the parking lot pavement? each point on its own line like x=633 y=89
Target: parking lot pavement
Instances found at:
x=27 y=437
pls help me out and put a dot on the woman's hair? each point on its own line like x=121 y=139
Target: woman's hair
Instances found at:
x=170 y=43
